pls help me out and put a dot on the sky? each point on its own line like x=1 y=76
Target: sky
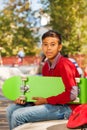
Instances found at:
x=1 y=3
x=35 y=4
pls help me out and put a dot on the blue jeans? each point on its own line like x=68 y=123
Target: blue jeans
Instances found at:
x=18 y=114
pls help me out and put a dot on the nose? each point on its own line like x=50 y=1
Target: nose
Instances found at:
x=48 y=47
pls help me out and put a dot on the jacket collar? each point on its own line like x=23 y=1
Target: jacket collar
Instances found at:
x=56 y=60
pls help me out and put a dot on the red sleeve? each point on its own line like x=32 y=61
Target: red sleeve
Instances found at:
x=68 y=73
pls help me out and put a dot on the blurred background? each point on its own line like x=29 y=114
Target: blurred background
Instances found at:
x=23 y=22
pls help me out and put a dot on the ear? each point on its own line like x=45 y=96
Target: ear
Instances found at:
x=60 y=47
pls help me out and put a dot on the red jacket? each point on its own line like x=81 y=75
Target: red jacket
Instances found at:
x=64 y=68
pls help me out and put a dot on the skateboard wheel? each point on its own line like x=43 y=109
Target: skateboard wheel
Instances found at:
x=24 y=78
x=22 y=97
x=77 y=80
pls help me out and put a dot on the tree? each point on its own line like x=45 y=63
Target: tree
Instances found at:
x=15 y=28
x=69 y=18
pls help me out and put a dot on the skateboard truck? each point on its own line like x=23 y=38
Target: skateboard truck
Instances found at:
x=24 y=88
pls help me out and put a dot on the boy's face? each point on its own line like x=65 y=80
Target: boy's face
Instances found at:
x=51 y=47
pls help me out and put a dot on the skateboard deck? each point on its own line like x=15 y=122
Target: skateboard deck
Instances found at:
x=32 y=86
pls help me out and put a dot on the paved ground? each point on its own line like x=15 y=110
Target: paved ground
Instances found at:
x=3 y=122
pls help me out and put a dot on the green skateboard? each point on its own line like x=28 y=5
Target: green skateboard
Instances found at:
x=32 y=86
x=40 y=86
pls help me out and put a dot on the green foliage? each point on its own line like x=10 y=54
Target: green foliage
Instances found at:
x=69 y=17
x=14 y=29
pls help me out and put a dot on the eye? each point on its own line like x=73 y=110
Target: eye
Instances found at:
x=52 y=44
x=45 y=44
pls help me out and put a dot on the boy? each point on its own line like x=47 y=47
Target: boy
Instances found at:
x=55 y=107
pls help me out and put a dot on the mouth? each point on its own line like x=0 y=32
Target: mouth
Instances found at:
x=49 y=53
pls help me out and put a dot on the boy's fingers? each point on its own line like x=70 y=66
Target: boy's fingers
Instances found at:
x=19 y=101
x=35 y=98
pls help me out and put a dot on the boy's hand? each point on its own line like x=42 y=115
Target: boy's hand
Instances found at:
x=20 y=101
x=39 y=100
